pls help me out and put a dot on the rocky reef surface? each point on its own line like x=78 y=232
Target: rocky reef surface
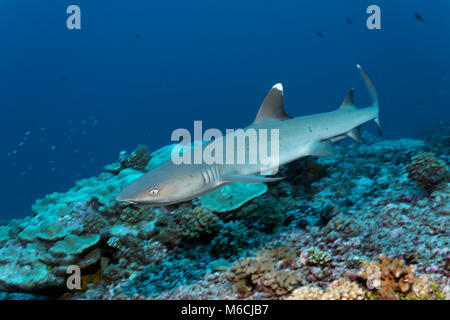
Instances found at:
x=371 y=222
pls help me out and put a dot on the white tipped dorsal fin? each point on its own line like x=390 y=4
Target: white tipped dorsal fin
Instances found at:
x=348 y=101
x=272 y=106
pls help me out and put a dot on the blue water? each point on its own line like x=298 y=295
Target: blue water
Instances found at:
x=80 y=97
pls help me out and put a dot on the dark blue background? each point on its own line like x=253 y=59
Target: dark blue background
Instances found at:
x=196 y=60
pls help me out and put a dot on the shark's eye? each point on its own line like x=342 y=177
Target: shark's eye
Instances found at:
x=153 y=192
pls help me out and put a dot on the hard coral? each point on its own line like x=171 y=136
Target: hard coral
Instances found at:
x=137 y=160
x=391 y=279
x=340 y=289
x=93 y=223
x=344 y=225
x=267 y=272
x=318 y=257
x=265 y=214
x=133 y=215
x=427 y=170
x=198 y=222
x=232 y=238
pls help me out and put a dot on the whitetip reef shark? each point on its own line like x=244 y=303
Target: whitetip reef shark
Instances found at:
x=299 y=137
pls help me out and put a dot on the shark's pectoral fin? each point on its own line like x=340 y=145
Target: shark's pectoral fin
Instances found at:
x=337 y=138
x=272 y=106
x=249 y=178
x=355 y=134
x=380 y=132
x=322 y=149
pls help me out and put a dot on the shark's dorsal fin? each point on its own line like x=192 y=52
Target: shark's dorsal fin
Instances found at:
x=272 y=106
x=348 y=101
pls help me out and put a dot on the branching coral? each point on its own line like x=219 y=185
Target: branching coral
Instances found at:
x=427 y=170
x=391 y=279
x=268 y=272
x=318 y=257
x=340 y=289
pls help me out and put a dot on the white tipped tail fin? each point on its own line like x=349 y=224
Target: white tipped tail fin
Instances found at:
x=369 y=85
x=373 y=94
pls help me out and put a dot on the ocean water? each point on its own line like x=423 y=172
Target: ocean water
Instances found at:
x=75 y=101
x=71 y=100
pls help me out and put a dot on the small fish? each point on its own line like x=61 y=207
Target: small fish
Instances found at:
x=138 y=36
x=349 y=21
x=63 y=77
x=319 y=34
x=418 y=17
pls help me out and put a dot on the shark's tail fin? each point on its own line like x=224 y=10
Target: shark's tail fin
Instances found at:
x=373 y=94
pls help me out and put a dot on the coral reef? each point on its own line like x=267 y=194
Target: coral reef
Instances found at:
x=391 y=279
x=267 y=272
x=199 y=222
x=427 y=170
x=340 y=289
x=310 y=236
x=318 y=257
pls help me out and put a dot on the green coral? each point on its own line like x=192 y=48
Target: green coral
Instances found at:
x=437 y=291
x=318 y=257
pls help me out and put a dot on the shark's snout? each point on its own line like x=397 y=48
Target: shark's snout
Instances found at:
x=128 y=194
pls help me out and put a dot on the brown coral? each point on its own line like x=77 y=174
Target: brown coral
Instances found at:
x=427 y=170
x=268 y=272
x=391 y=279
x=137 y=160
x=198 y=222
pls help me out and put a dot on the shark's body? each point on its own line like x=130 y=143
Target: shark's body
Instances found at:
x=298 y=137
